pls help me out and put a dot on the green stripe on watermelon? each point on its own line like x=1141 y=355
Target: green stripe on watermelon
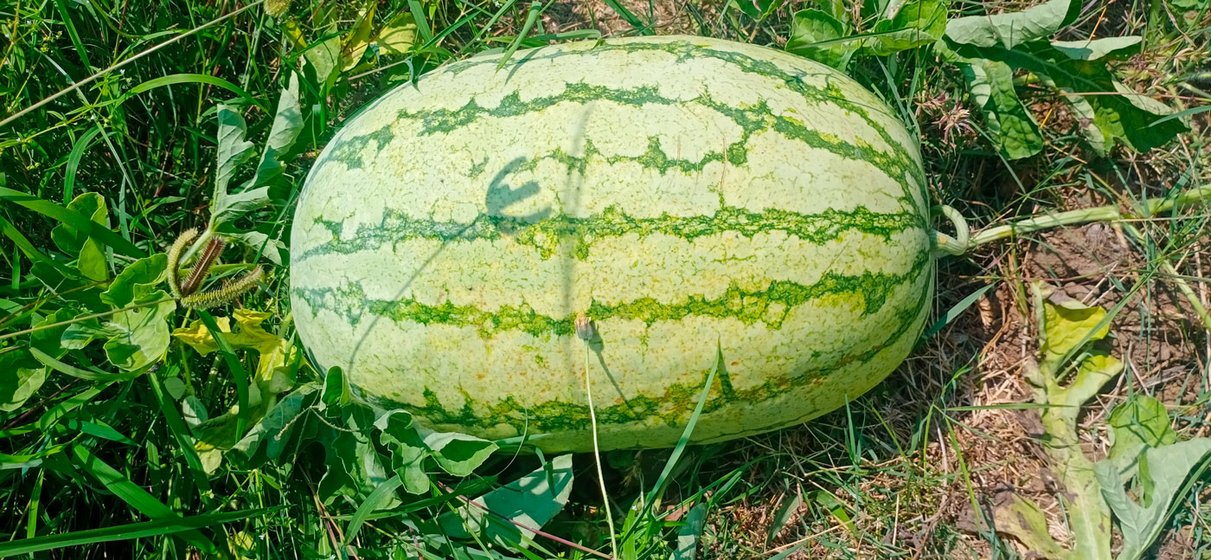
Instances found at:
x=350 y=302
x=752 y=119
x=546 y=235
x=672 y=407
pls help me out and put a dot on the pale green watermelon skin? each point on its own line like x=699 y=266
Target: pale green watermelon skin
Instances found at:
x=708 y=204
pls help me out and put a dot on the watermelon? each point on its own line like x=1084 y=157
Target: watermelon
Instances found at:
x=709 y=206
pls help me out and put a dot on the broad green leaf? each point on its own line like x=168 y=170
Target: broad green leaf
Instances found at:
x=336 y=390
x=352 y=470
x=226 y=205
x=287 y=123
x=916 y=23
x=68 y=238
x=193 y=411
x=817 y=35
x=1097 y=49
x=398 y=36
x=1168 y=469
x=325 y=59
x=20 y=377
x=1139 y=423
x=1012 y=29
x=136 y=282
x=81 y=334
x=89 y=253
x=1129 y=117
x=1119 y=114
x=50 y=339
x=459 y=454
x=233 y=148
x=408 y=451
x=1070 y=325
x=225 y=208
x=142 y=333
x=530 y=501
x=71 y=217
x=396 y=426
x=1010 y=123
x=416 y=480
x=1087 y=116
x=274 y=429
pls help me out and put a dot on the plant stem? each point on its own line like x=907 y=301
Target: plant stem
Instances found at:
x=1148 y=209
x=605 y=496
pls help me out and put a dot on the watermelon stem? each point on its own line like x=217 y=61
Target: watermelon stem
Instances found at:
x=587 y=332
x=957 y=245
x=1149 y=208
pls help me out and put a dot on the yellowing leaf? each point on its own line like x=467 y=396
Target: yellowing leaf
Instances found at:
x=355 y=43
x=398 y=35
x=248 y=334
x=1070 y=325
x=198 y=338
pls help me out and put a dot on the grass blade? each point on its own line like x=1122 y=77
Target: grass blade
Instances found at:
x=199 y=79
x=373 y=501
x=72 y=218
x=161 y=527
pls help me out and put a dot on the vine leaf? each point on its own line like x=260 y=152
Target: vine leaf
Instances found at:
x=227 y=205
x=89 y=253
x=517 y=507
x=1161 y=472
x=816 y=35
x=1011 y=29
x=272 y=375
x=915 y=24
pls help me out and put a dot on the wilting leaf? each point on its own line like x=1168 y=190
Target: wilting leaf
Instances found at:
x=527 y=503
x=398 y=35
x=915 y=24
x=1012 y=29
x=1139 y=423
x=1010 y=123
x=815 y=35
x=1022 y=519
x=1167 y=470
x=1069 y=325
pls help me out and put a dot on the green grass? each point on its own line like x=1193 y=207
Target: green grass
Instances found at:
x=100 y=459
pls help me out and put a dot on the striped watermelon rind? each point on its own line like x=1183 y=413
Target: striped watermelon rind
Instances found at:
x=710 y=205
